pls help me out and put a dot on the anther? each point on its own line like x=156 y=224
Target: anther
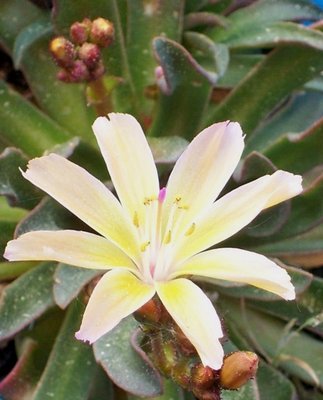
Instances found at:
x=135 y=219
x=190 y=230
x=168 y=237
x=144 y=246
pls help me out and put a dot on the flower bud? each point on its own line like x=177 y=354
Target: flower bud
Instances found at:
x=63 y=51
x=102 y=32
x=202 y=377
x=90 y=54
x=238 y=368
x=98 y=71
x=79 y=72
x=79 y=31
x=149 y=312
x=64 y=76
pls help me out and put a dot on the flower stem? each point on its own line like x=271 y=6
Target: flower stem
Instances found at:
x=98 y=97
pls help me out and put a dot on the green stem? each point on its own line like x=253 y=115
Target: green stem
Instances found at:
x=99 y=97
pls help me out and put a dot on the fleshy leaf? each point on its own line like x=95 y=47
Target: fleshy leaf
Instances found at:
x=27 y=36
x=26 y=299
x=17 y=190
x=166 y=150
x=25 y=126
x=299 y=354
x=307 y=310
x=187 y=84
x=262 y=91
x=69 y=281
x=47 y=215
x=72 y=357
x=123 y=365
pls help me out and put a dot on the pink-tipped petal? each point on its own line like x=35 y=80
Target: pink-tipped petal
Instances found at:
x=196 y=316
x=117 y=295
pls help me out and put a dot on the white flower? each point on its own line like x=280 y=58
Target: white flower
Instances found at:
x=152 y=238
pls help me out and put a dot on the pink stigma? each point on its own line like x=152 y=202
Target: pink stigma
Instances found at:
x=162 y=195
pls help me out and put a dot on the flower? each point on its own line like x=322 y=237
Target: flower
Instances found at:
x=151 y=238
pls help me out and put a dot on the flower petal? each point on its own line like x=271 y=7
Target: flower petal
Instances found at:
x=81 y=249
x=86 y=197
x=117 y=295
x=240 y=266
x=202 y=171
x=236 y=209
x=196 y=316
x=129 y=161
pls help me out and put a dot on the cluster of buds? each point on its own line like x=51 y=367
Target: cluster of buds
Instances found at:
x=80 y=57
x=175 y=357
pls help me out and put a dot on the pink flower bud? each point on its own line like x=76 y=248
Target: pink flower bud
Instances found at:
x=63 y=51
x=79 y=72
x=79 y=31
x=90 y=54
x=102 y=32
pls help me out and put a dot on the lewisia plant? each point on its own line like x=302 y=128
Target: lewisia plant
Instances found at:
x=153 y=239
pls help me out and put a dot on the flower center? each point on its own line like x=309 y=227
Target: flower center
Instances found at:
x=158 y=230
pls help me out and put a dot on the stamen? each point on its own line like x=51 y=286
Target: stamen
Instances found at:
x=190 y=230
x=135 y=219
x=144 y=246
x=168 y=237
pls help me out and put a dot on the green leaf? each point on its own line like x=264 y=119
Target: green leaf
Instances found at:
x=24 y=126
x=33 y=347
x=69 y=281
x=124 y=366
x=171 y=391
x=291 y=67
x=166 y=150
x=146 y=20
x=12 y=184
x=307 y=310
x=214 y=57
x=238 y=68
x=48 y=215
x=16 y=385
x=12 y=20
x=305 y=249
x=279 y=33
x=299 y=354
x=26 y=299
x=72 y=113
x=187 y=84
x=11 y=270
x=260 y=15
x=28 y=36
x=247 y=392
x=296 y=116
x=73 y=358
x=289 y=151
